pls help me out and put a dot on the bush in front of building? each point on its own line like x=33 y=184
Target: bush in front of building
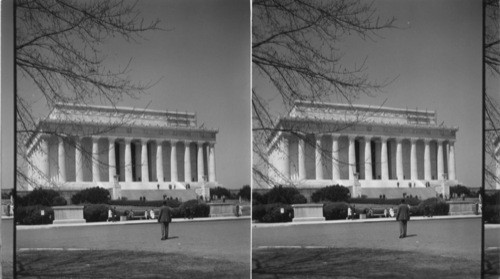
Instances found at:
x=244 y=192
x=193 y=209
x=280 y=194
x=38 y=196
x=95 y=212
x=491 y=207
x=333 y=193
x=411 y=201
x=32 y=215
x=258 y=198
x=335 y=210
x=272 y=213
x=94 y=195
x=434 y=206
x=59 y=201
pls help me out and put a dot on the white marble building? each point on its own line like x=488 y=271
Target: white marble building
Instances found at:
x=78 y=146
x=320 y=144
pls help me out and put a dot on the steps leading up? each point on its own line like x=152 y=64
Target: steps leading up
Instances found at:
x=394 y=193
x=182 y=195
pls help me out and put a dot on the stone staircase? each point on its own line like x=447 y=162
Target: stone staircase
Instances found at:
x=394 y=193
x=182 y=195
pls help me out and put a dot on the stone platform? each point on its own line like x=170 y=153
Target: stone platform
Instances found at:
x=68 y=214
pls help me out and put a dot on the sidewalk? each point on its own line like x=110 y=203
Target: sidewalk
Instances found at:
x=132 y=222
x=371 y=220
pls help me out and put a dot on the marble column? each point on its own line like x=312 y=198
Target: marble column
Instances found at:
x=78 y=160
x=451 y=161
x=111 y=159
x=128 y=160
x=61 y=156
x=440 y=160
x=285 y=167
x=173 y=161
x=427 y=160
x=319 y=161
x=496 y=143
x=368 y=158
x=352 y=157
x=144 y=161
x=187 y=162
x=413 y=160
x=200 y=163
x=44 y=153
x=384 y=159
x=95 y=160
x=211 y=162
x=159 y=161
x=335 y=158
x=302 y=159
x=399 y=159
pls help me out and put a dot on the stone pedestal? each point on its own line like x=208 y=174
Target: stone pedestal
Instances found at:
x=462 y=208
x=307 y=212
x=222 y=210
x=69 y=214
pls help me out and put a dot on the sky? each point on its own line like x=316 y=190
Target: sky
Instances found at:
x=434 y=57
x=200 y=63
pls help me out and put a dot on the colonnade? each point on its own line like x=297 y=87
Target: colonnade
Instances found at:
x=145 y=168
x=368 y=171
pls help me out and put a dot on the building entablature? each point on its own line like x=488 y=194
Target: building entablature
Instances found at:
x=114 y=131
x=360 y=130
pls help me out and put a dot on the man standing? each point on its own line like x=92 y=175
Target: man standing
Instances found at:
x=403 y=216
x=165 y=218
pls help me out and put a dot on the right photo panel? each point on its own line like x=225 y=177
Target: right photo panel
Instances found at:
x=367 y=126
x=491 y=200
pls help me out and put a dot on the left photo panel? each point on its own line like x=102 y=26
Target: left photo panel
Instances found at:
x=132 y=127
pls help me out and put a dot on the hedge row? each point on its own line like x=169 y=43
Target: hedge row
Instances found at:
x=271 y=213
x=32 y=215
x=157 y=203
x=410 y=201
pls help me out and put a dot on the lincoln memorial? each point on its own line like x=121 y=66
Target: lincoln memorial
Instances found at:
x=80 y=146
x=362 y=147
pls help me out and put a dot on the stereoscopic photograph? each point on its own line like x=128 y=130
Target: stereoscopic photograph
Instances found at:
x=250 y=139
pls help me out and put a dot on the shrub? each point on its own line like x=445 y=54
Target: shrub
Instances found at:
x=94 y=195
x=298 y=199
x=331 y=193
x=245 y=192
x=335 y=210
x=274 y=215
x=258 y=198
x=95 y=212
x=435 y=205
x=38 y=196
x=280 y=194
x=194 y=208
x=59 y=201
x=258 y=211
x=271 y=213
x=31 y=215
x=491 y=213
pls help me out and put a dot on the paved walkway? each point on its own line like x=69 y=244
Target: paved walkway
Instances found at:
x=455 y=236
x=219 y=238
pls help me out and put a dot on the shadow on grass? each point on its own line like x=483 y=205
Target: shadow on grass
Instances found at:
x=358 y=263
x=124 y=264
x=492 y=263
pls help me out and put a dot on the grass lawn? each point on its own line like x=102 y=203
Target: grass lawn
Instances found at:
x=124 y=264
x=358 y=263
